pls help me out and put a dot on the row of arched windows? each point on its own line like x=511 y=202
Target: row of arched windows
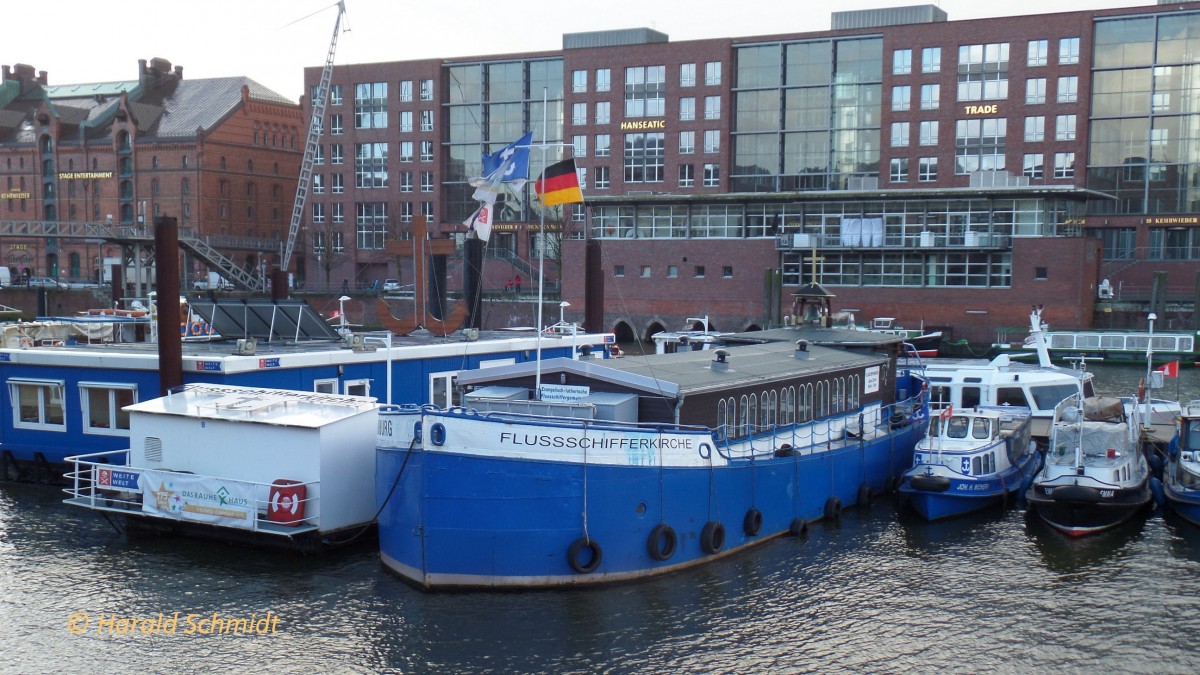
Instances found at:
x=755 y=413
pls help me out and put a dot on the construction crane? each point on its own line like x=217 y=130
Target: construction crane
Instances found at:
x=314 y=132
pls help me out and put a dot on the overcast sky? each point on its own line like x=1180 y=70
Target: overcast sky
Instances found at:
x=272 y=41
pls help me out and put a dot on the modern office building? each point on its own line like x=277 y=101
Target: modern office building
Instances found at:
x=221 y=155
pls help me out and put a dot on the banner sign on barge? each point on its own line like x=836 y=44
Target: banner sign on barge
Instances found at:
x=201 y=499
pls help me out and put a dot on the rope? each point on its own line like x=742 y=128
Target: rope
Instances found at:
x=386 y=499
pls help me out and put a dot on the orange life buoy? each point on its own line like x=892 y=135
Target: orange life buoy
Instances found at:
x=195 y=329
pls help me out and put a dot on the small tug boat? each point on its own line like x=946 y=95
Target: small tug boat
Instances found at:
x=1095 y=475
x=971 y=459
x=1181 y=476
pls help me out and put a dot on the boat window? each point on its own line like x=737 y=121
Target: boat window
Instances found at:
x=1013 y=396
x=956 y=427
x=731 y=418
x=1048 y=396
x=979 y=428
x=976 y=469
x=934 y=430
x=805 y=403
x=721 y=407
x=1192 y=437
x=38 y=404
x=787 y=405
x=970 y=397
x=363 y=388
x=102 y=406
x=852 y=393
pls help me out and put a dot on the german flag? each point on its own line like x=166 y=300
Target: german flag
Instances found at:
x=559 y=184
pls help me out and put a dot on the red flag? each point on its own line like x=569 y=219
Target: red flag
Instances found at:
x=1170 y=369
x=947 y=412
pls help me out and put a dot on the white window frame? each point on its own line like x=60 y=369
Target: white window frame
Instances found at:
x=44 y=402
x=364 y=382
x=328 y=385
x=85 y=404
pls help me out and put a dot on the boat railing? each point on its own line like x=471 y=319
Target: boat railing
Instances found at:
x=805 y=437
x=90 y=479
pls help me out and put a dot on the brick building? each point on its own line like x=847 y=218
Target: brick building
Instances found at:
x=222 y=155
x=945 y=172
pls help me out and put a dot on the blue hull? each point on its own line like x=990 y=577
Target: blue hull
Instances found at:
x=470 y=520
x=1184 y=502
x=969 y=494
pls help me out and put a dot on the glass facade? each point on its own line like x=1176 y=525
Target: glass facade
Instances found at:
x=1144 y=138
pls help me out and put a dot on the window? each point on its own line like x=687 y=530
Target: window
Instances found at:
x=1035 y=129
x=698 y=272
x=335 y=124
x=581 y=176
x=406 y=90
x=406 y=120
x=603 y=79
x=983 y=72
x=1068 y=89
x=898 y=170
x=979 y=145
x=931 y=60
x=712 y=73
x=370 y=165
x=687 y=108
x=1039 y=52
x=579 y=81
x=727 y=272
x=371 y=225
x=901 y=97
x=1035 y=90
x=618 y=270
x=318 y=212
x=644 y=158
x=335 y=95
x=712 y=175
x=1064 y=128
x=336 y=184
x=931 y=95
x=406 y=212
x=712 y=107
x=406 y=151
x=602 y=112
x=687 y=142
x=602 y=145
x=426 y=90
x=900 y=134
x=687 y=175
x=579 y=142
x=426 y=181
x=1032 y=166
x=929 y=133
x=902 y=62
x=335 y=154
x=102 y=407
x=712 y=141
x=426 y=151
x=927 y=169
x=406 y=181
x=578 y=113
x=645 y=271
x=37 y=404
x=1068 y=50
x=602 y=178
x=672 y=271
x=687 y=75
x=319 y=156
x=339 y=212
x=1064 y=165
x=1041 y=273
x=644 y=88
x=426 y=120
x=370 y=105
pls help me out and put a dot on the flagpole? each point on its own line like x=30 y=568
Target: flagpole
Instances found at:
x=537 y=380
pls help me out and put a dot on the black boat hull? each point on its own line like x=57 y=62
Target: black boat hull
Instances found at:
x=1078 y=510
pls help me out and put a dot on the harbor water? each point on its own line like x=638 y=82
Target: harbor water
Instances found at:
x=879 y=591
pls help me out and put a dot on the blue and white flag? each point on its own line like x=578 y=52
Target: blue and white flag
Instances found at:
x=513 y=159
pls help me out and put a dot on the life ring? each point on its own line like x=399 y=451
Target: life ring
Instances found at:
x=25 y=342
x=661 y=542
x=615 y=352
x=752 y=523
x=833 y=508
x=195 y=329
x=574 y=555
x=712 y=537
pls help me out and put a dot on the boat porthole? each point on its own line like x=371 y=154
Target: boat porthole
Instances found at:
x=833 y=508
x=417 y=431
x=661 y=542
x=798 y=528
x=712 y=537
x=584 y=563
x=641 y=508
x=437 y=433
x=705 y=450
x=752 y=523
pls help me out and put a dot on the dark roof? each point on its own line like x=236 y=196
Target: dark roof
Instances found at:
x=188 y=105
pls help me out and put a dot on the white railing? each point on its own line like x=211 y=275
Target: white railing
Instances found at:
x=86 y=489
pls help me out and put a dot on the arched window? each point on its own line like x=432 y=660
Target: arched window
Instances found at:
x=73 y=265
x=852 y=398
x=47 y=144
x=185 y=187
x=154 y=187
x=721 y=409
x=821 y=404
x=250 y=165
x=752 y=415
x=787 y=406
x=124 y=141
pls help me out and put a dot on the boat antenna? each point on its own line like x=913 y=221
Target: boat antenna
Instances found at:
x=1149 y=360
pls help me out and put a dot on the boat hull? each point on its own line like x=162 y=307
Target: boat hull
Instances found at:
x=466 y=519
x=1184 y=502
x=965 y=495
x=1078 y=510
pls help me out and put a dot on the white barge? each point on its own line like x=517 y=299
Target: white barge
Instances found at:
x=266 y=465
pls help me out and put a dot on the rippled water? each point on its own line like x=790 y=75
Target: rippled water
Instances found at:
x=880 y=592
